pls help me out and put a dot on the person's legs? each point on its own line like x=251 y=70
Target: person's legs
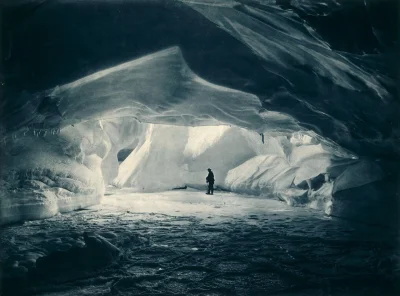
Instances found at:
x=211 y=188
x=208 y=188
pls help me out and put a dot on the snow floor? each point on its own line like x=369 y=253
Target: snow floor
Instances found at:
x=185 y=242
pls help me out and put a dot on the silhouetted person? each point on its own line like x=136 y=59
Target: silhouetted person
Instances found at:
x=210 y=180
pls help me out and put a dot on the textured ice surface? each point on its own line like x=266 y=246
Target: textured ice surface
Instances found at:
x=46 y=174
x=304 y=62
x=161 y=88
x=189 y=243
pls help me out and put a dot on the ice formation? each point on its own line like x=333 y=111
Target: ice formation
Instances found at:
x=173 y=156
x=47 y=174
x=299 y=174
x=73 y=103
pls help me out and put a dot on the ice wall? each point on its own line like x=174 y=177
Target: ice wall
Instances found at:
x=173 y=156
x=43 y=174
x=298 y=170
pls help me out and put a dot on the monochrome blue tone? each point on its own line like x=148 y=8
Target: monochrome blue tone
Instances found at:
x=113 y=103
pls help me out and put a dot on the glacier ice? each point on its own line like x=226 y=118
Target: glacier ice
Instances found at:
x=357 y=175
x=44 y=176
x=64 y=171
x=173 y=156
x=125 y=132
x=318 y=85
x=161 y=88
x=311 y=160
x=59 y=144
x=68 y=170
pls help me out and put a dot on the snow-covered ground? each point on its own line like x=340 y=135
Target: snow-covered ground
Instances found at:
x=184 y=242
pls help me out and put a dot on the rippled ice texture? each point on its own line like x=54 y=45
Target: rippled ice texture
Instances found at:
x=189 y=243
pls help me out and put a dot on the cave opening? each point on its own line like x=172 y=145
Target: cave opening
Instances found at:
x=294 y=169
x=112 y=111
x=123 y=154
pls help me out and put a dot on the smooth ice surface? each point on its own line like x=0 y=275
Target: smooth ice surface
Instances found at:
x=201 y=138
x=357 y=175
x=311 y=160
x=261 y=174
x=189 y=243
x=173 y=156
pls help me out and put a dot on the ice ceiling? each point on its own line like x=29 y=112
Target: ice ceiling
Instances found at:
x=85 y=79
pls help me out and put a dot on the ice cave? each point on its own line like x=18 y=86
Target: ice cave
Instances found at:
x=112 y=111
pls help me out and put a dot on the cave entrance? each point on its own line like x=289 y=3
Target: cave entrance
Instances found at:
x=123 y=154
x=166 y=157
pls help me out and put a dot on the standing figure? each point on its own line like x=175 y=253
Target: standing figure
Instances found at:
x=210 y=180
